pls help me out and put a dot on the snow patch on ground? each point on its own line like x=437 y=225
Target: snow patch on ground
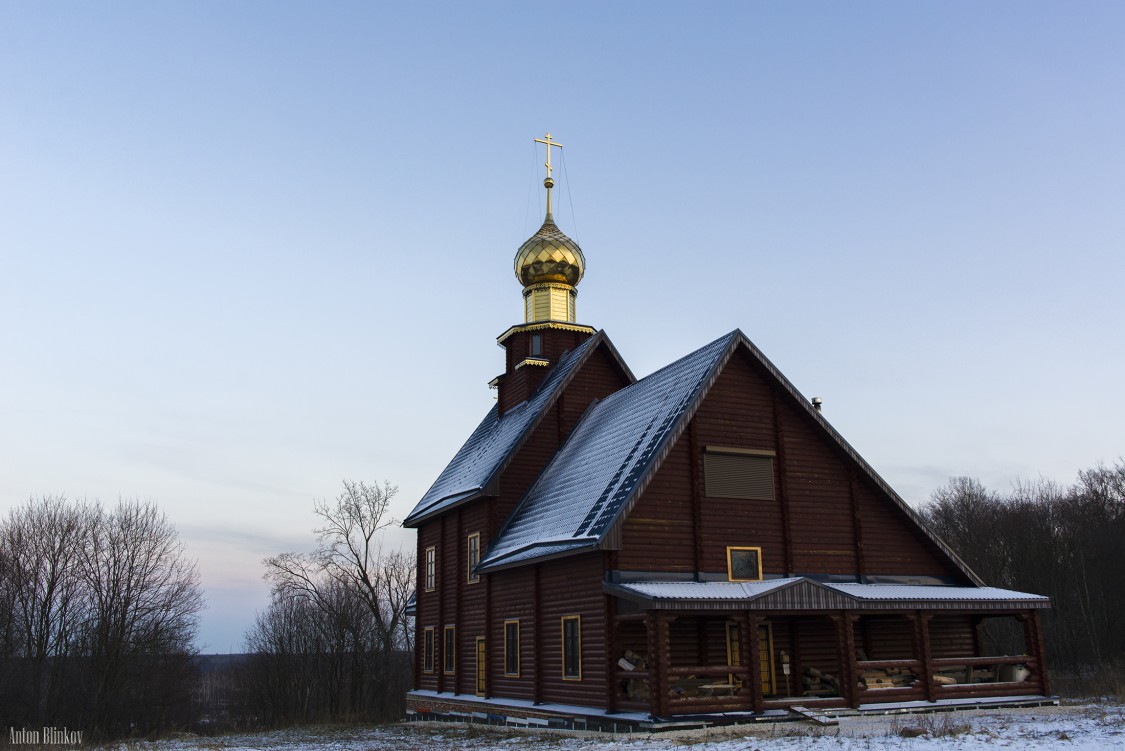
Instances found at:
x=1086 y=727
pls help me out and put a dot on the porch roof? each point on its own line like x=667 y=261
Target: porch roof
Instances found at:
x=802 y=593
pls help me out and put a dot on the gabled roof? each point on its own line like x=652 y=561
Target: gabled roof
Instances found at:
x=476 y=468
x=802 y=593
x=604 y=461
x=617 y=447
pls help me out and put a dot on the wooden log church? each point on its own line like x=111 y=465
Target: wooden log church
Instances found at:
x=699 y=545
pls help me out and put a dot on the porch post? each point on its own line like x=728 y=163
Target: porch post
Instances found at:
x=610 y=652
x=748 y=631
x=924 y=653
x=659 y=661
x=540 y=639
x=1033 y=638
x=845 y=653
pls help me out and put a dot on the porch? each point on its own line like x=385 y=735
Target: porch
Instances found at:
x=683 y=655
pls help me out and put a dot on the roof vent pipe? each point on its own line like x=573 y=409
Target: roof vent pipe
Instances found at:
x=817 y=402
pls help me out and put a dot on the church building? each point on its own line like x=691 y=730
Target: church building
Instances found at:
x=696 y=546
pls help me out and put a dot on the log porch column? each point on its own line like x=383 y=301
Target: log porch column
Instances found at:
x=1033 y=638
x=540 y=638
x=923 y=652
x=845 y=650
x=659 y=661
x=748 y=626
x=611 y=650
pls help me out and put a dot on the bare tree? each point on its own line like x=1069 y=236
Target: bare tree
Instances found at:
x=358 y=591
x=41 y=544
x=100 y=615
x=1065 y=542
x=143 y=599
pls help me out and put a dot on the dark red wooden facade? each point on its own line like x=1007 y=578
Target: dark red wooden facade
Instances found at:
x=830 y=519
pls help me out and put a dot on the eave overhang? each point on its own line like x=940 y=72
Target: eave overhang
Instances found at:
x=441 y=505
x=540 y=325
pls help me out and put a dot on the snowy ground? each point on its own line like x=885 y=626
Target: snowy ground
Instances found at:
x=1087 y=727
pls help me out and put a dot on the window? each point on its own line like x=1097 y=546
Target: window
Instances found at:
x=471 y=574
x=536 y=345
x=428 y=650
x=449 y=654
x=431 y=569
x=572 y=647
x=744 y=564
x=512 y=648
x=738 y=473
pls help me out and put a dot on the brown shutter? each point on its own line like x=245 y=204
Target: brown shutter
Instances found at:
x=738 y=476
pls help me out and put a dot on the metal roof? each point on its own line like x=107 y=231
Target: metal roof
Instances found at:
x=721 y=591
x=600 y=467
x=802 y=593
x=882 y=592
x=592 y=481
x=495 y=440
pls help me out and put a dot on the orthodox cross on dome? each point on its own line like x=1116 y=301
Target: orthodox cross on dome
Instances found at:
x=548 y=183
x=546 y=141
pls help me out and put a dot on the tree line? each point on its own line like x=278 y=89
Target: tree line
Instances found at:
x=98 y=612
x=99 y=607
x=1066 y=542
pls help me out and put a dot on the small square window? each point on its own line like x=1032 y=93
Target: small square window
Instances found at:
x=536 y=345
x=744 y=564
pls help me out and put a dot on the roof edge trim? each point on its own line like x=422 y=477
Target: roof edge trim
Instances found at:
x=436 y=508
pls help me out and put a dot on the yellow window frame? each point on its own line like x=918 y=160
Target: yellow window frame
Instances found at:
x=730 y=562
x=429 y=639
x=449 y=650
x=430 y=583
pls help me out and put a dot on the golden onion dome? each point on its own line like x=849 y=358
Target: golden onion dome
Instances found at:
x=549 y=256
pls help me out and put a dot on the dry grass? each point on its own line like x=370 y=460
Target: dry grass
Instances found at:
x=1104 y=682
x=935 y=725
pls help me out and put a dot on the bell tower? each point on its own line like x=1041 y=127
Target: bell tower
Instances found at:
x=549 y=266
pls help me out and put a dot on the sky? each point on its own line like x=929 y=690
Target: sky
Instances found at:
x=249 y=250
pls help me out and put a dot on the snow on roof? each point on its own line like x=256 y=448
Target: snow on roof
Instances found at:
x=804 y=592
x=931 y=592
x=495 y=440
x=598 y=469
x=706 y=590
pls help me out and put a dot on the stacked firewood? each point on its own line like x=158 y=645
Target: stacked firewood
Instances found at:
x=634 y=688
x=888 y=678
x=818 y=683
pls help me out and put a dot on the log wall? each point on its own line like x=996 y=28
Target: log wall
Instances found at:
x=826 y=517
x=480 y=609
